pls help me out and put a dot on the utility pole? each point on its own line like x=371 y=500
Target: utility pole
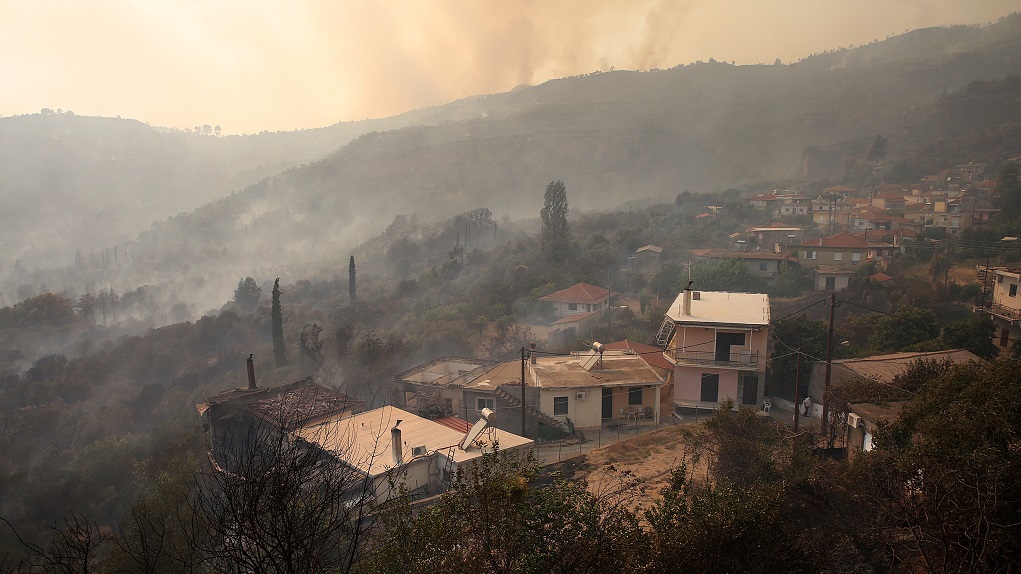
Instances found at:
x=797 y=391
x=829 y=366
x=523 y=359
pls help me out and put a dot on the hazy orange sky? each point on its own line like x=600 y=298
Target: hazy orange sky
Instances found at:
x=252 y=65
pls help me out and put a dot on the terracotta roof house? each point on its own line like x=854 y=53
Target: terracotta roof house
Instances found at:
x=838 y=249
x=580 y=298
x=235 y=420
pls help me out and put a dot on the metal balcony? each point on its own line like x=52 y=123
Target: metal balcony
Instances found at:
x=745 y=360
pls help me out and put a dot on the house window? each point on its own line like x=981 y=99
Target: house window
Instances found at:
x=838 y=256
x=856 y=257
x=559 y=406
x=810 y=255
x=572 y=306
x=710 y=388
x=1013 y=290
x=485 y=404
x=634 y=396
x=763 y=266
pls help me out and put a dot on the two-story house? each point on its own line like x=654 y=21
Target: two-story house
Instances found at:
x=841 y=249
x=717 y=342
x=1002 y=302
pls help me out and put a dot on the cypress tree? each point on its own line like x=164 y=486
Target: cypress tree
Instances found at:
x=279 y=356
x=351 y=286
x=555 y=232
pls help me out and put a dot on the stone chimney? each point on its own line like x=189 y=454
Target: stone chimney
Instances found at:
x=686 y=301
x=531 y=352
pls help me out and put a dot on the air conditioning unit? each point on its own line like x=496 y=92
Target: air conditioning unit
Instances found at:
x=418 y=450
x=581 y=395
x=853 y=420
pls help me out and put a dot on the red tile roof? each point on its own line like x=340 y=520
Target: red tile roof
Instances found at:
x=880 y=277
x=842 y=239
x=839 y=189
x=580 y=293
x=455 y=423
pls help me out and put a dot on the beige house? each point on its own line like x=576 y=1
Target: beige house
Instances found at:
x=391 y=443
x=879 y=368
x=1002 y=302
x=717 y=342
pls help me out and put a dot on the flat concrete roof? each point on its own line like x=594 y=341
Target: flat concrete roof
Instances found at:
x=616 y=369
x=723 y=308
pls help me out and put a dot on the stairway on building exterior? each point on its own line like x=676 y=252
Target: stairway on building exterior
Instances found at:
x=541 y=416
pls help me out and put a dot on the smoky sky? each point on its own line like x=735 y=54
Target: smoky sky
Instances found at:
x=252 y=65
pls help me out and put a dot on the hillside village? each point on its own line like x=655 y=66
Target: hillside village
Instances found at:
x=814 y=373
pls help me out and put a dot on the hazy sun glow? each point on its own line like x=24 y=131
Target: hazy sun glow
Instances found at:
x=261 y=65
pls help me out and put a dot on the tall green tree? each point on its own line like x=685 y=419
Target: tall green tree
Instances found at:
x=352 y=288
x=277 y=315
x=556 y=235
x=247 y=294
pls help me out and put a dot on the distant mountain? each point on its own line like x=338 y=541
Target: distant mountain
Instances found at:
x=611 y=137
x=71 y=182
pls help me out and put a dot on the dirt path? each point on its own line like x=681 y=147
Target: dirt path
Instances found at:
x=650 y=456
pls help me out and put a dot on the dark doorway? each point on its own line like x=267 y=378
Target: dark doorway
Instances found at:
x=710 y=388
x=750 y=394
x=831 y=283
x=607 y=403
x=1004 y=338
x=723 y=343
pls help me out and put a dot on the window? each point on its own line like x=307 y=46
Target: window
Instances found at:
x=810 y=255
x=634 y=396
x=763 y=266
x=485 y=404
x=572 y=306
x=559 y=406
x=856 y=256
x=1013 y=290
x=838 y=256
x=710 y=388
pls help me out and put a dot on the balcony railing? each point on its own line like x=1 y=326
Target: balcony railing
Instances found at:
x=1007 y=313
x=746 y=360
